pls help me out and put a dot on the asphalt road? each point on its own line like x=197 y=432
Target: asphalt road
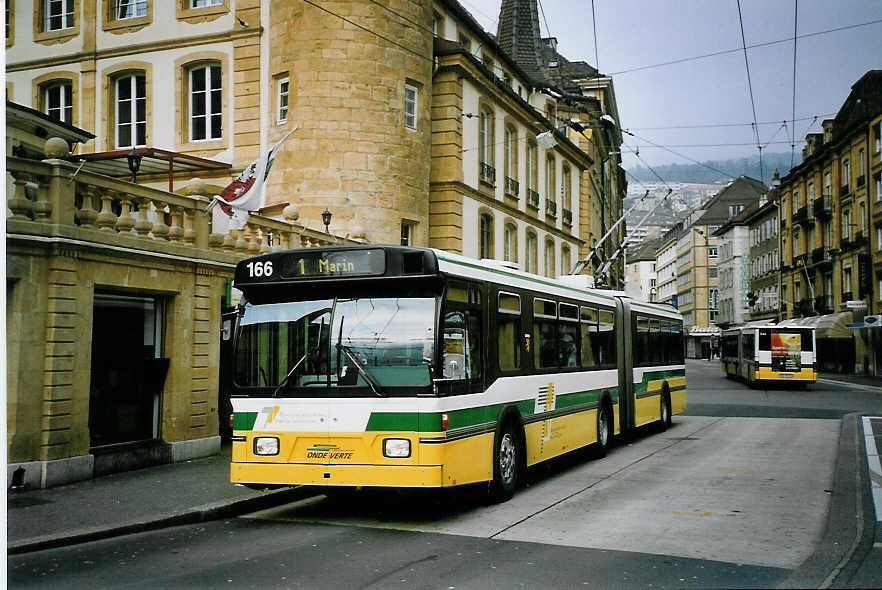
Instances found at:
x=735 y=494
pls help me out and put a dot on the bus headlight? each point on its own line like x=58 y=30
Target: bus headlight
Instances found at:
x=398 y=448
x=266 y=445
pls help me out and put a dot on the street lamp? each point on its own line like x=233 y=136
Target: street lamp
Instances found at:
x=134 y=159
x=326 y=219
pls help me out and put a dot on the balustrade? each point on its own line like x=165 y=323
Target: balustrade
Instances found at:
x=56 y=191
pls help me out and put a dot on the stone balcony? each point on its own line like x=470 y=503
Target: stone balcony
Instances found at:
x=52 y=198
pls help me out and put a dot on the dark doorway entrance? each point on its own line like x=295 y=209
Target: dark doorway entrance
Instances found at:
x=128 y=372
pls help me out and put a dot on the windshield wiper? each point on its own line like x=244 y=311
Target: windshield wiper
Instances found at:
x=300 y=362
x=375 y=386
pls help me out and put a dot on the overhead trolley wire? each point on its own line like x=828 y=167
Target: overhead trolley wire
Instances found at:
x=793 y=130
x=750 y=88
x=756 y=45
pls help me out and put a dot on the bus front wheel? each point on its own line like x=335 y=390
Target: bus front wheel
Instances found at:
x=506 y=464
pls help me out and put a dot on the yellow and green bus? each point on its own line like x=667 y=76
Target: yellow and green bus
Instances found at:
x=411 y=367
x=768 y=354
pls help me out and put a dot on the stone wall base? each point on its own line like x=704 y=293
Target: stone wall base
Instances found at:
x=107 y=460
x=45 y=474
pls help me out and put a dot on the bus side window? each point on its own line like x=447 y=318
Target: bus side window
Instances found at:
x=456 y=345
x=656 y=351
x=461 y=332
x=545 y=353
x=508 y=335
x=606 y=338
x=588 y=332
x=569 y=335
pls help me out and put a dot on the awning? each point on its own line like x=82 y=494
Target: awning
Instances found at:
x=870 y=321
x=704 y=331
x=153 y=161
x=833 y=325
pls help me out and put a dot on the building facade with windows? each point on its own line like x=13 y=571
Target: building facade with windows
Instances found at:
x=763 y=259
x=666 y=266
x=830 y=208
x=732 y=266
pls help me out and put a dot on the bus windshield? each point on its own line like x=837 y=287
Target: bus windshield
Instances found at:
x=365 y=346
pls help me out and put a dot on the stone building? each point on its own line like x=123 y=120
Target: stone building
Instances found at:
x=414 y=126
x=114 y=294
x=830 y=204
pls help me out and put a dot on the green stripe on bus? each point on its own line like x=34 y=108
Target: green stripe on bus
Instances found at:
x=467 y=417
x=655 y=375
x=244 y=420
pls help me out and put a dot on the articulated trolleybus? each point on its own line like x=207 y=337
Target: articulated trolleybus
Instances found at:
x=410 y=367
x=767 y=354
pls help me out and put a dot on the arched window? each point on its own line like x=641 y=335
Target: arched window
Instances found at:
x=511 y=160
x=566 y=189
x=550 y=181
x=510 y=242
x=57 y=97
x=205 y=98
x=565 y=261
x=485 y=146
x=549 y=259
x=130 y=97
x=485 y=235
x=532 y=253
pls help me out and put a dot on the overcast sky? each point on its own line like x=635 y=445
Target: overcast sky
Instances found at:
x=637 y=33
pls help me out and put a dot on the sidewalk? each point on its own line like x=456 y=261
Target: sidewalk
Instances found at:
x=133 y=501
x=860 y=380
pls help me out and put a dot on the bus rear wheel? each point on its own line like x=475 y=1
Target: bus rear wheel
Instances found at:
x=506 y=464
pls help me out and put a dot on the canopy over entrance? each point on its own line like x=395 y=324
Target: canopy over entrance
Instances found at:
x=154 y=161
x=833 y=325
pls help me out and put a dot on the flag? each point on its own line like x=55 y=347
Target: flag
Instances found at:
x=245 y=193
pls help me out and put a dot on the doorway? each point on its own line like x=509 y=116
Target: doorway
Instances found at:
x=128 y=371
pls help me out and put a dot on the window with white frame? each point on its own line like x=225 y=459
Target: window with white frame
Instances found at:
x=485 y=142
x=58 y=100
x=410 y=106
x=130 y=9
x=846 y=173
x=131 y=111
x=846 y=224
x=206 y=100
x=565 y=263
x=511 y=154
x=57 y=14
x=282 y=99
x=550 y=165
x=205 y=3
x=712 y=252
x=407 y=228
x=828 y=184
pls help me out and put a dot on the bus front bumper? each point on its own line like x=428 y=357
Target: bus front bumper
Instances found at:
x=413 y=476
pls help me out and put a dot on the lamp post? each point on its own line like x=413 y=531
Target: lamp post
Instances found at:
x=134 y=159
x=326 y=219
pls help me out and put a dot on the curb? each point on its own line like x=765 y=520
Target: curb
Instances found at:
x=861 y=386
x=843 y=544
x=206 y=512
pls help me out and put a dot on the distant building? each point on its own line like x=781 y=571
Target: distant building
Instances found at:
x=698 y=252
x=831 y=231
x=640 y=272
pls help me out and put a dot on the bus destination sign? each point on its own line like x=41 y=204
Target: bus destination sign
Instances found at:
x=327 y=263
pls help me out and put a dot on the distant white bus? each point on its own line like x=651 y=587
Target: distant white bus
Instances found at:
x=769 y=354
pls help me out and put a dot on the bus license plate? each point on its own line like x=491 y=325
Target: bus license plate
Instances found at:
x=786 y=376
